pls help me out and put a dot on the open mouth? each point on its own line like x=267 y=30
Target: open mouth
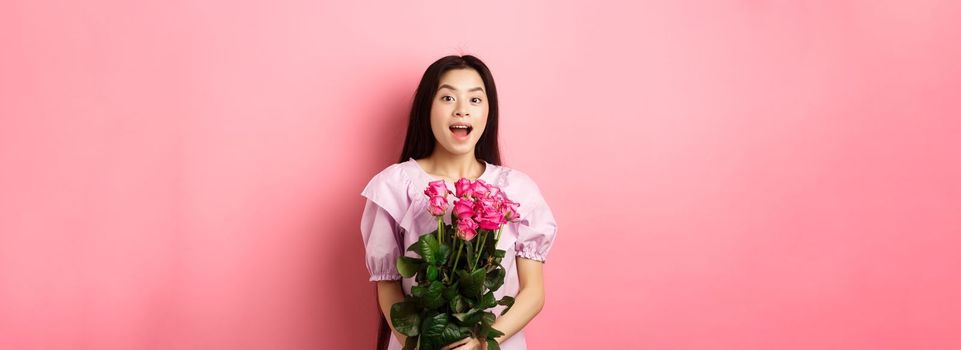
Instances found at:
x=461 y=131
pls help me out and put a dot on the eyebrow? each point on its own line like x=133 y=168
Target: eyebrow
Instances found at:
x=452 y=88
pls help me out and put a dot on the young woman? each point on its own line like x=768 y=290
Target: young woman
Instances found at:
x=452 y=134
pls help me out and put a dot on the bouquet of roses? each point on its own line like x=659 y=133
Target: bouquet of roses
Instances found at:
x=458 y=270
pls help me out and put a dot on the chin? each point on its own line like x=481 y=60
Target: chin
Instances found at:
x=460 y=151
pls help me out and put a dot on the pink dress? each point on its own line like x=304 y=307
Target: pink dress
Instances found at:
x=396 y=215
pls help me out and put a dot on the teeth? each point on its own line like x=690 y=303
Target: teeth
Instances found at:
x=460 y=126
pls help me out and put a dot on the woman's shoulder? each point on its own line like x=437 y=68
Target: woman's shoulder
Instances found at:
x=518 y=184
x=514 y=177
x=392 y=170
x=393 y=178
x=391 y=189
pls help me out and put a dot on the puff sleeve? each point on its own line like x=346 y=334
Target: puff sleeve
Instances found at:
x=379 y=229
x=537 y=228
x=381 y=242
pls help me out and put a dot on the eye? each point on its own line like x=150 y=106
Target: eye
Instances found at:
x=447 y=98
x=476 y=100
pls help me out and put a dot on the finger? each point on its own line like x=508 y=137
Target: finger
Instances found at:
x=456 y=344
x=469 y=344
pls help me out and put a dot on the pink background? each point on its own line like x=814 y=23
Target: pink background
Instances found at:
x=725 y=174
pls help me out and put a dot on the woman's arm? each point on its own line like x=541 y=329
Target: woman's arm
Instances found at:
x=388 y=294
x=529 y=300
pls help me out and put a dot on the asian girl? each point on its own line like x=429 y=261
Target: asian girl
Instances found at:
x=452 y=134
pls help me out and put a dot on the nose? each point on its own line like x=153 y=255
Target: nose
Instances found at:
x=461 y=112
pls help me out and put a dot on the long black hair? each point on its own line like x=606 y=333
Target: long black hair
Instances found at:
x=420 y=141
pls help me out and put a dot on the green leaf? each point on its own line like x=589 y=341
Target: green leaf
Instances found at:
x=493 y=333
x=473 y=317
x=451 y=334
x=451 y=291
x=418 y=290
x=466 y=317
x=429 y=249
x=488 y=301
x=508 y=301
x=414 y=247
x=487 y=319
x=499 y=253
x=408 y=266
x=434 y=325
x=443 y=254
x=457 y=304
x=472 y=284
x=495 y=278
x=431 y=273
x=439 y=331
x=491 y=345
x=433 y=297
x=406 y=318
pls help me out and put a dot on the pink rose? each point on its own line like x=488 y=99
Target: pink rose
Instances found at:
x=464 y=188
x=489 y=217
x=466 y=228
x=481 y=188
x=510 y=210
x=436 y=188
x=437 y=206
x=464 y=208
x=481 y=203
x=495 y=192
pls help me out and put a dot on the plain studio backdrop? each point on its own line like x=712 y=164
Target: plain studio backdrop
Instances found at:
x=725 y=174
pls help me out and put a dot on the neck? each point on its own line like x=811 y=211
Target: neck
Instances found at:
x=453 y=166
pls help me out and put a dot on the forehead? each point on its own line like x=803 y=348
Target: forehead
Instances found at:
x=461 y=79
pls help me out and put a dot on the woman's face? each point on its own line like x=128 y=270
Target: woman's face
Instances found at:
x=461 y=100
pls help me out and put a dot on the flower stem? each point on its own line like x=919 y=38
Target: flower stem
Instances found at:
x=498 y=237
x=477 y=252
x=440 y=229
x=460 y=247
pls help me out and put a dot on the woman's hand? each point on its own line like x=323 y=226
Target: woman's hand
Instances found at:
x=466 y=344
